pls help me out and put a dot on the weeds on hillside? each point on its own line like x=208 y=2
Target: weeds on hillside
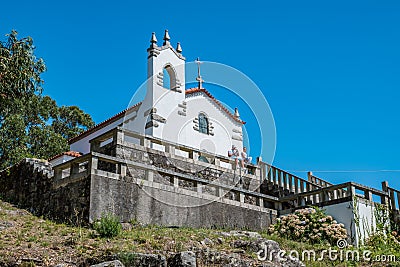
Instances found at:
x=108 y=226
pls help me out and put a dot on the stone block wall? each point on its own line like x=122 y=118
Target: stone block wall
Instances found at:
x=30 y=185
x=170 y=206
x=165 y=199
x=200 y=170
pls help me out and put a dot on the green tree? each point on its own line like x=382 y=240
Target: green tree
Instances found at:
x=31 y=124
x=70 y=121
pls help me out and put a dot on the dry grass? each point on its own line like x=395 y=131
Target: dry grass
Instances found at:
x=32 y=241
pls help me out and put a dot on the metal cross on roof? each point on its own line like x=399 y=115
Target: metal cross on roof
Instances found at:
x=199 y=79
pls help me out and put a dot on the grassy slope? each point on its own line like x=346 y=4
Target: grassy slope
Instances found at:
x=31 y=239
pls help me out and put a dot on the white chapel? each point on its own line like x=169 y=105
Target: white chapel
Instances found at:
x=169 y=111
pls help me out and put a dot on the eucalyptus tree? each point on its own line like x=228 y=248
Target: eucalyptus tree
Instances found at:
x=31 y=124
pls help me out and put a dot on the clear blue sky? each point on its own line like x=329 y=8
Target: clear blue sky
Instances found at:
x=329 y=69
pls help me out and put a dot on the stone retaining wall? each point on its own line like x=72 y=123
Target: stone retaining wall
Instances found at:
x=85 y=196
x=153 y=203
x=30 y=185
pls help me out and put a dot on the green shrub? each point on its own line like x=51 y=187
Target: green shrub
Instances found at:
x=108 y=226
x=309 y=225
x=380 y=244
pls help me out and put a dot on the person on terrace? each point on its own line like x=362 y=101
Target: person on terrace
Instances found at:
x=234 y=154
x=245 y=157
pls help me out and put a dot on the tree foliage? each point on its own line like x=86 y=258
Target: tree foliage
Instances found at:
x=31 y=124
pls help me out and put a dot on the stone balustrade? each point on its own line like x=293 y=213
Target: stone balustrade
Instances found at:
x=318 y=181
x=336 y=194
x=394 y=200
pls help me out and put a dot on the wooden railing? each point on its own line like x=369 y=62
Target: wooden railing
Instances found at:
x=394 y=196
x=345 y=191
x=318 y=181
x=284 y=180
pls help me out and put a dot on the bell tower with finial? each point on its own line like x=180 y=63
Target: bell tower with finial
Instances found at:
x=166 y=61
x=165 y=85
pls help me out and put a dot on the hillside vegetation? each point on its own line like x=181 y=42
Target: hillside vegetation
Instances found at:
x=26 y=240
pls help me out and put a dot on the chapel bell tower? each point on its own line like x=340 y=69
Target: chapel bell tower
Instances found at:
x=165 y=86
x=166 y=65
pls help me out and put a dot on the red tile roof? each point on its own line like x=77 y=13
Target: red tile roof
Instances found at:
x=102 y=124
x=122 y=114
x=68 y=153
x=195 y=90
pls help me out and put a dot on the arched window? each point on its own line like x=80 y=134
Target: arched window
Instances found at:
x=203 y=123
x=169 y=79
x=166 y=79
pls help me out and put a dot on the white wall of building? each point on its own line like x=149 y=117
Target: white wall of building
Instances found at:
x=347 y=214
x=158 y=98
x=179 y=111
x=343 y=213
x=221 y=141
x=172 y=112
x=83 y=145
x=60 y=160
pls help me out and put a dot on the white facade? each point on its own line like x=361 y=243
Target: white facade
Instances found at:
x=189 y=117
x=60 y=159
x=83 y=146
x=358 y=217
x=226 y=131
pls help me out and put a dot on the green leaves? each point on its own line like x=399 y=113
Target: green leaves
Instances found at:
x=31 y=125
x=108 y=226
x=19 y=68
x=71 y=121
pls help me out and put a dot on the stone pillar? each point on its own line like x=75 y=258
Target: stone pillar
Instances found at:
x=145 y=142
x=385 y=188
x=74 y=169
x=324 y=196
x=122 y=169
x=94 y=146
x=241 y=197
x=58 y=173
x=310 y=177
x=220 y=192
x=261 y=202
x=194 y=155
x=149 y=175
x=368 y=195
x=217 y=162
x=351 y=191
x=94 y=163
x=278 y=206
x=118 y=137
x=170 y=149
x=199 y=187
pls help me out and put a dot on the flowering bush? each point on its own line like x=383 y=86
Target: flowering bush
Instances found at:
x=309 y=225
x=396 y=235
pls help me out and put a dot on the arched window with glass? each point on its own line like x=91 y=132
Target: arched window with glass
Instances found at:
x=203 y=123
